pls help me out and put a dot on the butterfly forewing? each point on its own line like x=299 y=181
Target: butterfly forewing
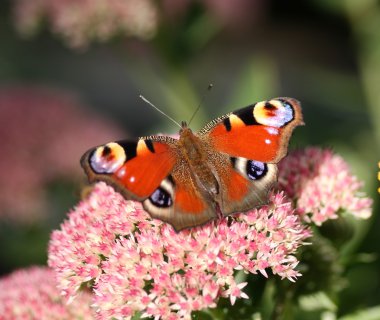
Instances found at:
x=135 y=168
x=258 y=132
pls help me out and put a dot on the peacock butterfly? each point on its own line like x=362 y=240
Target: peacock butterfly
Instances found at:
x=229 y=165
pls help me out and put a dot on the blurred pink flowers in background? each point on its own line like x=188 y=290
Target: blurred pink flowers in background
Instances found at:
x=43 y=134
x=80 y=22
x=321 y=184
x=32 y=294
x=138 y=264
x=238 y=14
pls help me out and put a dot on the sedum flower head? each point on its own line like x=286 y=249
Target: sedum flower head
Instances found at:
x=136 y=264
x=32 y=294
x=321 y=184
x=81 y=22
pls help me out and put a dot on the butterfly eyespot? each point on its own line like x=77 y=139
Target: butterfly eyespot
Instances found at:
x=161 y=198
x=274 y=113
x=106 y=151
x=256 y=169
x=108 y=158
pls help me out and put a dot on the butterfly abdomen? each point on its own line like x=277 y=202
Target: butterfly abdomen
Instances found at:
x=196 y=157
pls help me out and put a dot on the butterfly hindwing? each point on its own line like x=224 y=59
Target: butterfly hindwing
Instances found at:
x=259 y=132
x=188 y=207
x=243 y=184
x=249 y=187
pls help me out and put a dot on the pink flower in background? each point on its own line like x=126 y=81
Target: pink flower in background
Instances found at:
x=321 y=184
x=236 y=14
x=138 y=264
x=43 y=135
x=32 y=294
x=81 y=22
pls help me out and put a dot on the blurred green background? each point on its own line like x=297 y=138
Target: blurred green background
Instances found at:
x=324 y=53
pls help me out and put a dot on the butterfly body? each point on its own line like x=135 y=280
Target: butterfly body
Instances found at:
x=195 y=154
x=228 y=166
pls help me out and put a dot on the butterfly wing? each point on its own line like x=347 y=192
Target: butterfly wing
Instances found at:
x=152 y=171
x=134 y=168
x=260 y=131
x=190 y=206
x=253 y=140
x=245 y=184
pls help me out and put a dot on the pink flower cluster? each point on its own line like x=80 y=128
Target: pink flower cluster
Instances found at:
x=43 y=134
x=321 y=184
x=32 y=294
x=80 y=22
x=141 y=265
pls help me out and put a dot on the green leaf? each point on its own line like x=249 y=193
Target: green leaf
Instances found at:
x=317 y=301
x=367 y=314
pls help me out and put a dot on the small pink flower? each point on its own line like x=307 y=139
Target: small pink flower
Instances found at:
x=32 y=294
x=139 y=264
x=321 y=184
x=235 y=292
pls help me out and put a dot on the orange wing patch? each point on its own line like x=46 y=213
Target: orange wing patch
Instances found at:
x=256 y=142
x=187 y=200
x=144 y=173
x=141 y=176
x=237 y=186
x=259 y=132
x=136 y=168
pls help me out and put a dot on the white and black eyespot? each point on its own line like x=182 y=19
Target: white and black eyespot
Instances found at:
x=274 y=113
x=251 y=169
x=108 y=158
x=239 y=164
x=256 y=170
x=162 y=197
x=287 y=112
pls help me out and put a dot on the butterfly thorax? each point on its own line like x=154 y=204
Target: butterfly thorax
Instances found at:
x=195 y=154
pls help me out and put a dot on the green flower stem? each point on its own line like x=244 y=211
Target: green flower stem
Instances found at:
x=283 y=307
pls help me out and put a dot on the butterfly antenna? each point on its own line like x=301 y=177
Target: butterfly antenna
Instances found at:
x=160 y=111
x=200 y=103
